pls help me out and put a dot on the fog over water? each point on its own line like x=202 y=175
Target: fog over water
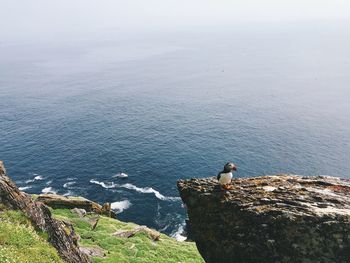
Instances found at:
x=170 y=90
x=54 y=20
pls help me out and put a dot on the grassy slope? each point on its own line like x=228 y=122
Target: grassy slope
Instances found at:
x=138 y=248
x=20 y=243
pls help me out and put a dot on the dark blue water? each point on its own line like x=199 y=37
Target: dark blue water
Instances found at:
x=166 y=106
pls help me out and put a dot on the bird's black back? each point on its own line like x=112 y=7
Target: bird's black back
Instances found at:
x=219 y=175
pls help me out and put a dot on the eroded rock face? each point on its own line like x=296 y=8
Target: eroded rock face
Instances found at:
x=40 y=215
x=282 y=218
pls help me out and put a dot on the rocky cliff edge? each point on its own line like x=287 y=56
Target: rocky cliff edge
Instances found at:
x=65 y=241
x=280 y=218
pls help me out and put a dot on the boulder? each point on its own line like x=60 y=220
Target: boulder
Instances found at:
x=79 y=211
x=280 y=218
x=71 y=202
x=152 y=234
x=93 y=251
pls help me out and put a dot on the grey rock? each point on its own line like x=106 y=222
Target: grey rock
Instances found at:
x=93 y=251
x=79 y=211
x=152 y=234
x=71 y=202
x=281 y=218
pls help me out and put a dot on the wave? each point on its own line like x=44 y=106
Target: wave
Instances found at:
x=49 y=182
x=120 y=206
x=121 y=175
x=144 y=190
x=149 y=190
x=104 y=185
x=178 y=233
x=69 y=193
x=68 y=184
x=24 y=188
x=29 y=181
x=71 y=178
x=36 y=178
x=48 y=190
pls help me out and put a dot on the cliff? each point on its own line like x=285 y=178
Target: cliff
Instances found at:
x=75 y=229
x=65 y=241
x=281 y=218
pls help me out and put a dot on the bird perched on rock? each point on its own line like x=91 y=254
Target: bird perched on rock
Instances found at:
x=225 y=176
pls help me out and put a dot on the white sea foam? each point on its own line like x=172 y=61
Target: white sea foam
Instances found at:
x=36 y=178
x=24 y=188
x=178 y=233
x=144 y=190
x=120 y=206
x=104 y=185
x=48 y=190
x=29 y=181
x=68 y=184
x=49 y=182
x=71 y=178
x=149 y=190
x=121 y=175
x=69 y=193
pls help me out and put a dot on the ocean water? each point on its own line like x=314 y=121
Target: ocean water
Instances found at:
x=164 y=106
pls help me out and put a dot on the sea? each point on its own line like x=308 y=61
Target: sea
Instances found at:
x=160 y=106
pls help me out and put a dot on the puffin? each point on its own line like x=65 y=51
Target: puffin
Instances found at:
x=225 y=176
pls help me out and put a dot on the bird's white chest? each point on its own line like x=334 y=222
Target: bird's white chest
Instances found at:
x=225 y=178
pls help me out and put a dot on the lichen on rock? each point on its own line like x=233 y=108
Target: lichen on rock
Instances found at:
x=280 y=218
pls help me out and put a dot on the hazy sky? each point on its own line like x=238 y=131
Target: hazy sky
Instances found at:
x=28 y=18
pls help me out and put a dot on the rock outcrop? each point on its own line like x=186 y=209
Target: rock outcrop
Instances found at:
x=152 y=234
x=281 y=218
x=71 y=202
x=65 y=241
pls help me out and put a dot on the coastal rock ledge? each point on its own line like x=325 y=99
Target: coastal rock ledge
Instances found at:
x=279 y=218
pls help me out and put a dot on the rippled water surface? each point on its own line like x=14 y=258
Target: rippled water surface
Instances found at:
x=160 y=107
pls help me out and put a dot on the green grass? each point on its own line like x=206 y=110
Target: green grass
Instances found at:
x=20 y=243
x=136 y=249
